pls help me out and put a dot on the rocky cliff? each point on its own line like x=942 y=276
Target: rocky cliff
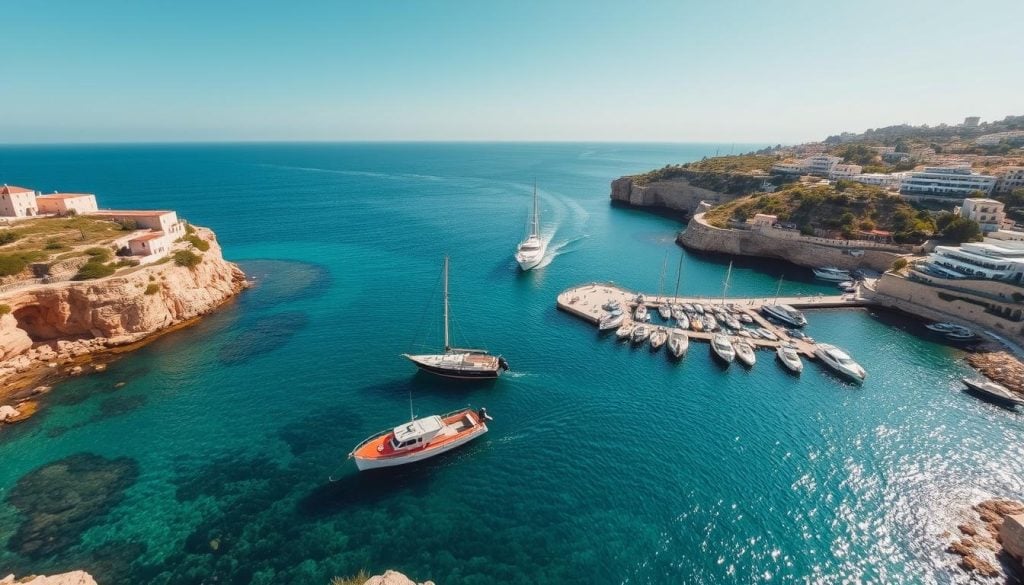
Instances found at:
x=49 y=325
x=676 y=195
x=803 y=251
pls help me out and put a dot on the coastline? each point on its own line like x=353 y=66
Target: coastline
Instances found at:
x=121 y=314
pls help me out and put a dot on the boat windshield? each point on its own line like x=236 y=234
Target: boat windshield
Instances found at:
x=529 y=247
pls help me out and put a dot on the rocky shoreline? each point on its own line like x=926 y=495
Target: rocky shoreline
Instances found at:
x=66 y=329
x=1001 y=367
x=72 y=578
x=988 y=539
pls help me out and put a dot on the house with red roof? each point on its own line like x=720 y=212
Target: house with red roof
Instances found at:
x=17 y=202
x=66 y=203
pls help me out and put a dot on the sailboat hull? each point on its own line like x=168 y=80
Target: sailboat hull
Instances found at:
x=459 y=366
x=529 y=262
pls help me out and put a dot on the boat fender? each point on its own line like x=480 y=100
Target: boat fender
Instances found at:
x=380 y=448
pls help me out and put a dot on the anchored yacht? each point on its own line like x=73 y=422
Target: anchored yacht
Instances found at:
x=840 y=362
x=832 y=274
x=420 y=439
x=790 y=359
x=786 y=314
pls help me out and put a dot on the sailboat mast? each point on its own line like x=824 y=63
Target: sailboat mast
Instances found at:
x=679 y=272
x=661 y=282
x=725 y=287
x=535 y=226
x=447 y=344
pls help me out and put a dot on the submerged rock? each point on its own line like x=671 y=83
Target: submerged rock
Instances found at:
x=61 y=500
x=263 y=336
x=72 y=578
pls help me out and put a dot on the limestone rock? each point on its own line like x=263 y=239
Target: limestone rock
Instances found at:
x=8 y=412
x=13 y=340
x=72 y=578
x=1012 y=535
x=393 y=578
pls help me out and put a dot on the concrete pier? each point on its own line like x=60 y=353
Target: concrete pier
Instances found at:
x=585 y=301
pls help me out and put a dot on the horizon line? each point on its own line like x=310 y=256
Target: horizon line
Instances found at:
x=381 y=141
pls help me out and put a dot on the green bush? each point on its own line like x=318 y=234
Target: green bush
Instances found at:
x=4 y=309
x=53 y=244
x=152 y=289
x=899 y=264
x=187 y=258
x=128 y=225
x=11 y=264
x=99 y=254
x=189 y=229
x=93 y=269
x=199 y=243
x=8 y=236
x=125 y=262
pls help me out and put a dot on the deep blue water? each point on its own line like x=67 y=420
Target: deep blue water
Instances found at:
x=604 y=464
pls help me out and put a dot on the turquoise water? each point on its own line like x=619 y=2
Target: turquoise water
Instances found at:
x=604 y=464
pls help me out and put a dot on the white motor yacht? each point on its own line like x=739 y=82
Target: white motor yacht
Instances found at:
x=786 y=314
x=625 y=331
x=640 y=314
x=420 y=439
x=640 y=334
x=832 y=274
x=722 y=348
x=744 y=353
x=612 y=320
x=789 y=358
x=840 y=362
x=678 y=342
x=658 y=338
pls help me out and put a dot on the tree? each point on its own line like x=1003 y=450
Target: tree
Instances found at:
x=899 y=264
x=976 y=194
x=961 y=229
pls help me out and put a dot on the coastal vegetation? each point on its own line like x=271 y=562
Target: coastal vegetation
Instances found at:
x=839 y=210
x=187 y=258
x=50 y=239
x=152 y=288
x=733 y=175
x=357 y=579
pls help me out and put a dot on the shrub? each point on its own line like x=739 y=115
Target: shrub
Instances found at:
x=53 y=244
x=359 y=579
x=126 y=262
x=99 y=254
x=199 y=243
x=93 y=269
x=152 y=289
x=187 y=258
x=189 y=229
x=899 y=264
x=12 y=264
x=5 y=309
x=8 y=236
x=128 y=225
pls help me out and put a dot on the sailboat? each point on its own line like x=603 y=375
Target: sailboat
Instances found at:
x=678 y=340
x=458 y=362
x=664 y=309
x=531 y=251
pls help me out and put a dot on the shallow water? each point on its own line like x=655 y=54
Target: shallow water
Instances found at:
x=604 y=464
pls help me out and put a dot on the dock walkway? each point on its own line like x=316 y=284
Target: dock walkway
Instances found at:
x=586 y=302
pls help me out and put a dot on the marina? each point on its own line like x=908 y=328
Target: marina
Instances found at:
x=588 y=302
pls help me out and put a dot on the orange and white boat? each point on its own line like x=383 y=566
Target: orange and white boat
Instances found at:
x=420 y=439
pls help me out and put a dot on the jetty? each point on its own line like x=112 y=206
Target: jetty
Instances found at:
x=586 y=302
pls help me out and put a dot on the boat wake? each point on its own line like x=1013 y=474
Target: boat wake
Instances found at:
x=560 y=248
x=351 y=173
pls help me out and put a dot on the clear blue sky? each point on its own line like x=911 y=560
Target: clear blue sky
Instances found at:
x=147 y=70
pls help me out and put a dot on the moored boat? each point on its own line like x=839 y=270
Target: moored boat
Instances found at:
x=832 y=274
x=640 y=334
x=625 y=331
x=744 y=353
x=840 y=362
x=420 y=439
x=767 y=334
x=640 y=314
x=612 y=320
x=786 y=314
x=678 y=342
x=722 y=348
x=665 y=311
x=790 y=358
x=991 y=391
x=658 y=338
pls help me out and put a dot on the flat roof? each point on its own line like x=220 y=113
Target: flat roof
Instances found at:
x=11 y=189
x=147 y=237
x=64 y=195
x=128 y=212
x=418 y=428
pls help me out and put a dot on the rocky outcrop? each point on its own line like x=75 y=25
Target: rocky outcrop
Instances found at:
x=982 y=540
x=783 y=245
x=72 y=578
x=393 y=578
x=1001 y=367
x=676 y=195
x=1011 y=533
x=49 y=325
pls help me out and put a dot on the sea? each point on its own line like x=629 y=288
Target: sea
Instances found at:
x=218 y=454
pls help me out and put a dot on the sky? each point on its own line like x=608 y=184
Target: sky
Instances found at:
x=518 y=70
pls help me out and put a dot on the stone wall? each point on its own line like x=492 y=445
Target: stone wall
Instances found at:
x=810 y=252
x=675 y=195
x=924 y=300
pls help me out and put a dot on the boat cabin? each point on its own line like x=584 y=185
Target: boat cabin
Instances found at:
x=416 y=433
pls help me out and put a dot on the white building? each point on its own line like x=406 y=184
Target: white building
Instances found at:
x=993 y=259
x=163 y=221
x=1007 y=236
x=842 y=171
x=889 y=181
x=785 y=168
x=1013 y=137
x=17 y=202
x=821 y=165
x=956 y=181
x=987 y=212
x=65 y=203
x=153 y=243
x=1010 y=178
